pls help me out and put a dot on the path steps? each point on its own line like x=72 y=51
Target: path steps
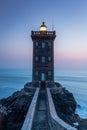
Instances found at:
x=41 y=115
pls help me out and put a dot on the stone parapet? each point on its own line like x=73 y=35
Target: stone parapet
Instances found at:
x=55 y=122
x=27 y=125
x=36 y=84
x=50 y=84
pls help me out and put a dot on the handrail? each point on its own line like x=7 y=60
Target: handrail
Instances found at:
x=27 y=125
x=46 y=33
x=57 y=123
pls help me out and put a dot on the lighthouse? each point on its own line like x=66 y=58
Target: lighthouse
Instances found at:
x=43 y=54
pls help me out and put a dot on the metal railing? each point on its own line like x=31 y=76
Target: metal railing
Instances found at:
x=45 y=33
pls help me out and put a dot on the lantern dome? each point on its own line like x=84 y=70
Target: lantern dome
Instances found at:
x=43 y=27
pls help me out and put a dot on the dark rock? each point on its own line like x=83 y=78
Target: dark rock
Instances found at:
x=82 y=124
x=65 y=104
x=13 y=110
x=58 y=84
x=3 y=118
x=78 y=106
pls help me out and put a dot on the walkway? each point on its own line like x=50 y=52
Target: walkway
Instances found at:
x=41 y=116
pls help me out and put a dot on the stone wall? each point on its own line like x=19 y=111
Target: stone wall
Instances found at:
x=55 y=122
x=27 y=125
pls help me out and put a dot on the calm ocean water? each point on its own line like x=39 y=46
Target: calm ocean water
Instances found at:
x=75 y=81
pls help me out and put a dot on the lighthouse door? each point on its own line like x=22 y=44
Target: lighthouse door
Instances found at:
x=42 y=77
x=42 y=80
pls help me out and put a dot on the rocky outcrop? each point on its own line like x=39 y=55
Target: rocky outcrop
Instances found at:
x=82 y=124
x=13 y=110
x=65 y=104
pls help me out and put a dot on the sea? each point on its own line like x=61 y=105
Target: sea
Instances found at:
x=75 y=81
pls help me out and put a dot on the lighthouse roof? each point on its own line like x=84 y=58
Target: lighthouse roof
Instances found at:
x=43 y=27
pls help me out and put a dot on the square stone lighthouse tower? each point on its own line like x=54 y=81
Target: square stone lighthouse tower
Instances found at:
x=43 y=54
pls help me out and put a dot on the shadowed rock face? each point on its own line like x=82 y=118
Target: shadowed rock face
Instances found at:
x=65 y=104
x=82 y=124
x=13 y=110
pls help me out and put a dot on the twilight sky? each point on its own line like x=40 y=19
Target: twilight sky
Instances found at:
x=67 y=17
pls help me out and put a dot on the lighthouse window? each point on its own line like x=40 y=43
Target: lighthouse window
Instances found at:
x=49 y=73
x=36 y=43
x=36 y=58
x=43 y=44
x=43 y=59
x=49 y=43
x=49 y=58
x=36 y=73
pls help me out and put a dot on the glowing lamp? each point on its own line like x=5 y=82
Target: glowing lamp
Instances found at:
x=43 y=27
